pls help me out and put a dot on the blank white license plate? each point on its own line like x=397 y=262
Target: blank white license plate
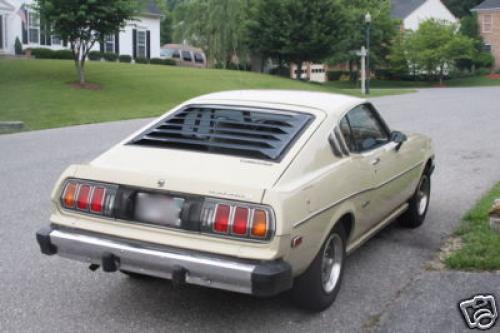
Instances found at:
x=158 y=209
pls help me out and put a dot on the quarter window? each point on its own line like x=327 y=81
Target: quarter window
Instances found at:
x=33 y=27
x=367 y=130
x=345 y=129
x=487 y=23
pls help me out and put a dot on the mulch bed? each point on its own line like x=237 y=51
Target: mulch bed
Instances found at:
x=493 y=76
x=88 y=86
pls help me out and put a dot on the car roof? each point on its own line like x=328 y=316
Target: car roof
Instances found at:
x=331 y=104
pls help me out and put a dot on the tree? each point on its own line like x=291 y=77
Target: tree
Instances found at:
x=436 y=45
x=297 y=31
x=217 y=26
x=383 y=32
x=166 y=28
x=461 y=8
x=82 y=23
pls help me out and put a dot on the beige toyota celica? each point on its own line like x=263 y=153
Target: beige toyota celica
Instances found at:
x=256 y=192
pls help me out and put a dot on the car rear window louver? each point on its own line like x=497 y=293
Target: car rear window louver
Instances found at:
x=231 y=131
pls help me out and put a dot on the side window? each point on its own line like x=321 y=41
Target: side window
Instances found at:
x=198 y=58
x=186 y=56
x=345 y=129
x=176 y=54
x=368 y=132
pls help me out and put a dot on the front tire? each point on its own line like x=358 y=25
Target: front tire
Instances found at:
x=414 y=217
x=318 y=286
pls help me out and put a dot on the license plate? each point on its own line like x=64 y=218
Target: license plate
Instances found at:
x=158 y=209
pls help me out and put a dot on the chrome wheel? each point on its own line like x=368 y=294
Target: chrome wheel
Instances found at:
x=331 y=265
x=423 y=196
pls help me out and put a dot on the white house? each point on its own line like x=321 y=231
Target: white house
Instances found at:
x=414 y=12
x=140 y=38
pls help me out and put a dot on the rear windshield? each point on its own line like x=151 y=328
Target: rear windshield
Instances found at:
x=230 y=131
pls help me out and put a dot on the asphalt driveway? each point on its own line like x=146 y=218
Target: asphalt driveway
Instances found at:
x=386 y=286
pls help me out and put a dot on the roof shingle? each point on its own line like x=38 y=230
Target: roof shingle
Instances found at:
x=151 y=8
x=488 y=4
x=402 y=8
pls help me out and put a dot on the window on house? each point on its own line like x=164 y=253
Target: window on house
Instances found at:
x=487 y=48
x=176 y=54
x=198 y=58
x=487 y=23
x=186 y=56
x=56 y=40
x=109 y=44
x=34 y=27
x=141 y=44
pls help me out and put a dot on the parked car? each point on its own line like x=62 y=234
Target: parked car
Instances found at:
x=254 y=192
x=184 y=55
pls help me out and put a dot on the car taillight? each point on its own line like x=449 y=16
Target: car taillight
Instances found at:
x=221 y=220
x=88 y=197
x=238 y=220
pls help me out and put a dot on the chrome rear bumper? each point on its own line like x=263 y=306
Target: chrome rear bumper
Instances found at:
x=180 y=265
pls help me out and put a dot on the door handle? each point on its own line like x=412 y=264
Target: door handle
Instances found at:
x=375 y=161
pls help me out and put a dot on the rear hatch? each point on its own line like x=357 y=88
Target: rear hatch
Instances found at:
x=218 y=151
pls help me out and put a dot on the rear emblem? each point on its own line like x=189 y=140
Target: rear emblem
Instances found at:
x=161 y=182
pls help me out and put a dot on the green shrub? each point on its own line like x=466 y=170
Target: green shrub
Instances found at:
x=483 y=71
x=125 y=58
x=141 y=60
x=497 y=71
x=384 y=74
x=42 y=53
x=63 y=54
x=109 y=56
x=95 y=55
x=283 y=71
x=170 y=62
x=336 y=75
x=18 y=47
x=156 y=61
x=484 y=59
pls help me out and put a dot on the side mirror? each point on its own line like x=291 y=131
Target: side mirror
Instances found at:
x=399 y=138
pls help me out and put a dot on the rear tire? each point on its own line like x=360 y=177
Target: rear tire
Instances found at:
x=414 y=217
x=318 y=286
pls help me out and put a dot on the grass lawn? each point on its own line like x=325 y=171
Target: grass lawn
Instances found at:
x=37 y=91
x=481 y=246
x=477 y=81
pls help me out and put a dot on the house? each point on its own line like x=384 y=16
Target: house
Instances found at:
x=488 y=14
x=413 y=12
x=410 y=12
x=311 y=72
x=139 y=38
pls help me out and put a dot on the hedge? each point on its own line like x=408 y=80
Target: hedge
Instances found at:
x=95 y=55
x=63 y=54
x=336 y=75
x=42 y=53
x=109 y=56
x=141 y=60
x=158 y=61
x=125 y=58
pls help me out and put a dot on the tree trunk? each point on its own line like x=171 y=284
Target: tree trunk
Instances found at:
x=81 y=73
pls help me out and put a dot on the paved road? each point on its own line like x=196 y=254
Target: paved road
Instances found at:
x=386 y=286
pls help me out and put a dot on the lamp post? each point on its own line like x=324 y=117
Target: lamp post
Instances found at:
x=368 y=22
